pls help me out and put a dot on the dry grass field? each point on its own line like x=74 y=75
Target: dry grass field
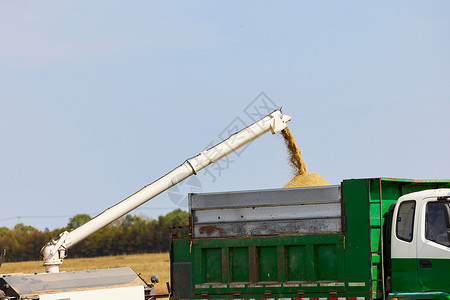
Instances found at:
x=145 y=264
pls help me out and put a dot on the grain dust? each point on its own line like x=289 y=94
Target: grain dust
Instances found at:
x=302 y=178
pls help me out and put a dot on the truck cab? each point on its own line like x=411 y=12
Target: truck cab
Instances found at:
x=420 y=242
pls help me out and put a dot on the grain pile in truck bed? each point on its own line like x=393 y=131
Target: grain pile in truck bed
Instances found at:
x=302 y=177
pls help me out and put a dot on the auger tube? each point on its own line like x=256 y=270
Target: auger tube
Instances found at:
x=53 y=252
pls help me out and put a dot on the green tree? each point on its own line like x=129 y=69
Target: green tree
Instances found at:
x=130 y=234
x=130 y=220
x=77 y=220
x=177 y=217
x=25 y=228
x=4 y=231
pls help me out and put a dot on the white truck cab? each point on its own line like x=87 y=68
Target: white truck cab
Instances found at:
x=420 y=241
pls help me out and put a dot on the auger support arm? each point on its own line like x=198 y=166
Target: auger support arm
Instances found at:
x=53 y=252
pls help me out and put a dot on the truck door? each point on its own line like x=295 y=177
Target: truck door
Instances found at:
x=403 y=247
x=433 y=246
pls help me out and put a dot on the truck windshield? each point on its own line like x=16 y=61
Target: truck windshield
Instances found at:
x=438 y=222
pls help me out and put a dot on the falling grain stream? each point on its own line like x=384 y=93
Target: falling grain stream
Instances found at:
x=302 y=178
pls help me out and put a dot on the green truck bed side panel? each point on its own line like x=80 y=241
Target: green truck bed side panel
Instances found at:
x=270 y=260
x=355 y=197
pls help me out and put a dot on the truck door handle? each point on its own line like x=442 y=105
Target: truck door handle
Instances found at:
x=425 y=263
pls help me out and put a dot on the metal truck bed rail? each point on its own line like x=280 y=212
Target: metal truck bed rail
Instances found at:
x=266 y=212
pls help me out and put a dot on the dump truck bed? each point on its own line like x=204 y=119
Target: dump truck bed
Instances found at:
x=321 y=242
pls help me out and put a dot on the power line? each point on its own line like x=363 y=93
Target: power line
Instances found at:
x=33 y=217
x=70 y=216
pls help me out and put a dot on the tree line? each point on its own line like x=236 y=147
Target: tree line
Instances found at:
x=128 y=235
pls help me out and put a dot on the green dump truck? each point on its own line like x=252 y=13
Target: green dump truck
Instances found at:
x=377 y=238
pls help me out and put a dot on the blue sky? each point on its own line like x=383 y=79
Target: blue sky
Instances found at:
x=99 y=98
